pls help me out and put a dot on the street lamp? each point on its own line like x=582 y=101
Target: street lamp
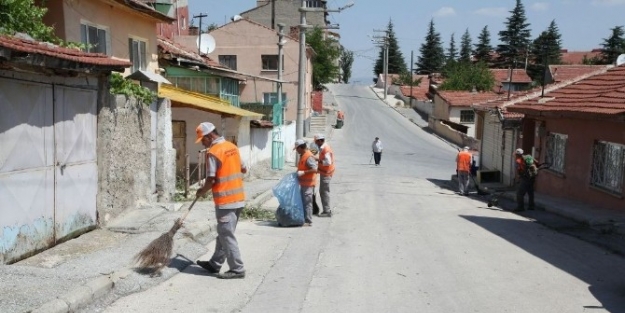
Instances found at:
x=299 y=130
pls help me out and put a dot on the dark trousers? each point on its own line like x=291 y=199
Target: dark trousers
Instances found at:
x=525 y=187
x=377 y=156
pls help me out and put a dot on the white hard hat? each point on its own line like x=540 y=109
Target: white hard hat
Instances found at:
x=519 y=151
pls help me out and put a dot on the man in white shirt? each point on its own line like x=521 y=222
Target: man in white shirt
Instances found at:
x=376 y=147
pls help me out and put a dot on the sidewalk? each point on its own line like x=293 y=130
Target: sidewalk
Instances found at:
x=79 y=271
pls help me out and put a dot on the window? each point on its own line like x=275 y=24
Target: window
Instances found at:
x=556 y=151
x=270 y=62
x=608 y=166
x=314 y=4
x=230 y=61
x=467 y=116
x=137 y=54
x=94 y=38
x=269 y=98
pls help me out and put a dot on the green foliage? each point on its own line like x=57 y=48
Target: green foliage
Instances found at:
x=396 y=62
x=465 y=47
x=25 y=17
x=452 y=52
x=432 y=55
x=122 y=86
x=465 y=76
x=257 y=213
x=327 y=52
x=405 y=79
x=347 y=59
x=545 y=50
x=613 y=46
x=483 y=48
x=515 y=38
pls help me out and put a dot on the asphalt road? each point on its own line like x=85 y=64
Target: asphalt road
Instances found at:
x=400 y=241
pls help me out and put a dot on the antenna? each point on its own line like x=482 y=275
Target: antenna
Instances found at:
x=206 y=43
x=620 y=60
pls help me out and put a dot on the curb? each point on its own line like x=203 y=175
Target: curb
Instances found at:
x=262 y=198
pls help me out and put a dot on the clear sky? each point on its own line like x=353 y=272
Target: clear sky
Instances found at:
x=583 y=23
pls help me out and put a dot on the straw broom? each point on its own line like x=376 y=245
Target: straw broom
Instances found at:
x=157 y=254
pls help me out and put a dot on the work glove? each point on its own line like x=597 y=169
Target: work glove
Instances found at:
x=300 y=173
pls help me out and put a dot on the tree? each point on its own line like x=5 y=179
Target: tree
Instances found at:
x=465 y=47
x=452 y=52
x=545 y=49
x=347 y=59
x=432 y=53
x=396 y=62
x=612 y=46
x=515 y=39
x=483 y=49
x=25 y=17
x=327 y=52
x=465 y=76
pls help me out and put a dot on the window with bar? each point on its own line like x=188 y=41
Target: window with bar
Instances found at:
x=608 y=166
x=467 y=116
x=270 y=62
x=556 y=152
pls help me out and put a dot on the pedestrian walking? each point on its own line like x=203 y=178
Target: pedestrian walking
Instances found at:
x=326 y=170
x=526 y=171
x=224 y=176
x=376 y=148
x=307 y=175
x=463 y=170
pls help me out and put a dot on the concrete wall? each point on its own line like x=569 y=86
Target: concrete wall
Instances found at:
x=454 y=116
x=165 y=153
x=497 y=148
x=287 y=12
x=124 y=164
x=452 y=135
x=574 y=184
x=121 y=23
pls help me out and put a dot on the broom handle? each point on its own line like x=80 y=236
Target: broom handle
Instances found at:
x=189 y=210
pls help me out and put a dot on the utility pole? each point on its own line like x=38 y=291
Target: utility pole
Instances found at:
x=544 y=69
x=383 y=41
x=199 y=34
x=299 y=129
x=273 y=14
x=280 y=65
x=411 y=73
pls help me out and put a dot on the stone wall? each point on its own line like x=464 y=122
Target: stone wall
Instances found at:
x=165 y=152
x=124 y=163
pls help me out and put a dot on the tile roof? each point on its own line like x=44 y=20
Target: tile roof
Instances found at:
x=420 y=92
x=577 y=57
x=466 y=98
x=168 y=46
x=87 y=60
x=601 y=94
x=518 y=75
x=562 y=73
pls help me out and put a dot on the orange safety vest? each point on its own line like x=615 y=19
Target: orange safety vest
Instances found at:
x=464 y=161
x=308 y=179
x=228 y=185
x=326 y=170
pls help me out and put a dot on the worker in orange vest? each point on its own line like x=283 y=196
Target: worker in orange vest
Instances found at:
x=340 y=115
x=326 y=170
x=224 y=176
x=307 y=176
x=463 y=169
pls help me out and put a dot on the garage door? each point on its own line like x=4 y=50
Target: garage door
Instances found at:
x=48 y=170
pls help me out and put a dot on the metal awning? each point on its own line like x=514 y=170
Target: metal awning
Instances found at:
x=185 y=98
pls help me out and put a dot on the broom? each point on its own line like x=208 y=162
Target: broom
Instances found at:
x=156 y=255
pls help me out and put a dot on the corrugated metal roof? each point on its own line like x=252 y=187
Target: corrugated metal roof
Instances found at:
x=185 y=98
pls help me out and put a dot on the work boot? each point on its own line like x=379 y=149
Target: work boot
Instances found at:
x=326 y=214
x=231 y=275
x=207 y=266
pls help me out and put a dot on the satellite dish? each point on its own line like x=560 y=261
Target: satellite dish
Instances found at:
x=620 y=60
x=206 y=43
x=236 y=18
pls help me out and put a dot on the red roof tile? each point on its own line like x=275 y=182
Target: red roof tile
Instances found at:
x=601 y=94
x=418 y=92
x=577 y=57
x=466 y=98
x=561 y=73
x=168 y=46
x=74 y=55
x=518 y=75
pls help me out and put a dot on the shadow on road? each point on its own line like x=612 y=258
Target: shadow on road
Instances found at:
x=607 y=283
x=358 y=97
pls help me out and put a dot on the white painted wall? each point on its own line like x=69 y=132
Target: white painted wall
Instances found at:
x=454 y=116
x=498 y=143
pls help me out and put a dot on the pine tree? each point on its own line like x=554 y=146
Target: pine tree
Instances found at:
x=515 y=39
x=483 y=48
x=432 y=52
x=347 y=60
x=465 y=47
x=396 y=62
x=452 y=52
x=613 y=46
x=545 y=49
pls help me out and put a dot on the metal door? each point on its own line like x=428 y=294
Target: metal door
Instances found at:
x=179 y=135
x=76 y=179
x=26 y=168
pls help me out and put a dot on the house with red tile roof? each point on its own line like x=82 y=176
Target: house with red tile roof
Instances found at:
x=578 y=57
x=503 y=81
x=561 y=73
x=52 y=106
x=578 y=129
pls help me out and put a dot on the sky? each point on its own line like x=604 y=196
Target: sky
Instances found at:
x=583 y=24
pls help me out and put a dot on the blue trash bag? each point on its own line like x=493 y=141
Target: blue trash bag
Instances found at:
x=291 y=210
